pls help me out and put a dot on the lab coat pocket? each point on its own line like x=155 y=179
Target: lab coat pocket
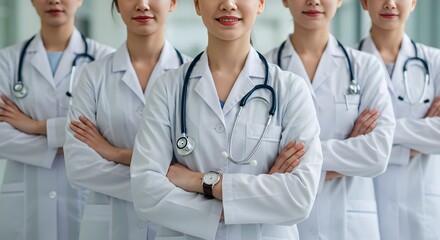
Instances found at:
x=362 y=220
x=267 y=151
x=96 y=222
x=168 y=234
x=346 y=113
x=12 y=200
x=432 y=210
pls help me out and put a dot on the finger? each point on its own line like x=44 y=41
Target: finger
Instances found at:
x=80 y=131
x=83 y=139
x=89 y=124
x=283 y=155
x=85 y=128
x=369 y=124
x=284 y=168
x=9 y=103
x=7 y=108
x=293 y=166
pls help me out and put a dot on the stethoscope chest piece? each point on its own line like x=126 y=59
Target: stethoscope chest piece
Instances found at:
x=20 y=90
x=185 y=145
x=354 y=89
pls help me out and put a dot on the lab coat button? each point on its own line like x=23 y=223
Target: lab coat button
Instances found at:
x=140 y=110
x=52 y=194
x=141 y=224
x=219 y=128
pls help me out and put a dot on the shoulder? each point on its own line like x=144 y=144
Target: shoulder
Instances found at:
x=98 y=50
x=272 y=55
x=285 y=82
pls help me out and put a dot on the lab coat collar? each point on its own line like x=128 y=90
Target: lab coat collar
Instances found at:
x=332 y=58
x=406 y=51
x=40 y=59
x=253 y=73
x=75 y=47
x=168 y=60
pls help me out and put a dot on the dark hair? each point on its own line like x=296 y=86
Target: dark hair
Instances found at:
x=114 y=6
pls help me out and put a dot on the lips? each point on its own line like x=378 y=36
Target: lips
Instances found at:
x=54 y=11
x=312 y=13
x=389 y=15
x=228 y=20
x=142 y=18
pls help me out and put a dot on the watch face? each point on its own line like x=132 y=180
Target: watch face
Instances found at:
x=211 y=178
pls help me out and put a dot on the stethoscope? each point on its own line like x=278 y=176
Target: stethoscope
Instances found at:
x=353 y=89
x=416 y=58
x=185 y=144
x=20 y=90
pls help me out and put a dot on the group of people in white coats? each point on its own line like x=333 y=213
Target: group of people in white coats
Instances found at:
x=314 y=140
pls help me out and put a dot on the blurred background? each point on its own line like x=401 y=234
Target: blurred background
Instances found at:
x=18 y=21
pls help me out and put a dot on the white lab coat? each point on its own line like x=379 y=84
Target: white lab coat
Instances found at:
x=408 y=193
x=345 y=208
x=256 y=205
x=36 y=200
x=109 y=95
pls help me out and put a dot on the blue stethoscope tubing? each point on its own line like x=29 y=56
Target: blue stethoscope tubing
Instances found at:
x=185 y=144
x=354 y=88
x=20 y=90
x=427 y=79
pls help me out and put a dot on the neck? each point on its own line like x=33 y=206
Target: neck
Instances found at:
x=56 y=39
x=227 y=55
x=145 y=48
x=307 y=41
x=387 y=42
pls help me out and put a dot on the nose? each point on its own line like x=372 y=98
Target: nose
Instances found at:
x=54 y=2
x=143 y=5
x=389 y=4
x=228 y=5
x=313 y=3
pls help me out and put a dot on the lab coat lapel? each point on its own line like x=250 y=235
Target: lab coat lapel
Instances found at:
x=406 y=51
x=75 y=46
x=39 y=60
x=205 y=87
x=328 y=64
x=370 y=47
x=253 y=68
x=122 y=63
x=296 y=65
x=168 y=60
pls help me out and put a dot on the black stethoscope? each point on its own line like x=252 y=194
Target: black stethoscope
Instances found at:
x=353 y=89
x=20 y=90
x=416 y=58
x=185 y=144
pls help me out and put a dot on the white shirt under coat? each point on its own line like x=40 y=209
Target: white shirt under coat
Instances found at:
x=110 y=95
x=256 y=205
x=36 y=200
x=345 y=208
x=408 y=193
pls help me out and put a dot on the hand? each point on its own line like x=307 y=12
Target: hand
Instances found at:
x=288 y=159
x=434 y=110
x=10 y=113
x=86 y=132
x=60 y=150
x=332 y=175
x=184 y=178
x=413 y=153
x=365 y=123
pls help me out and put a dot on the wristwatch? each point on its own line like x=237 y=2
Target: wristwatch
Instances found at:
x=209 y=180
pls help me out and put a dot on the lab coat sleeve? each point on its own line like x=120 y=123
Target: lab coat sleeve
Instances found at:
x=280 y=199
x=16 y=145
x=85 y=167
x=154 y=197
x=422 y=135
x=55 y=130
x=365 y=155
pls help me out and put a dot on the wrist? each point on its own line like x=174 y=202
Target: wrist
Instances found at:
x=40 y=128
